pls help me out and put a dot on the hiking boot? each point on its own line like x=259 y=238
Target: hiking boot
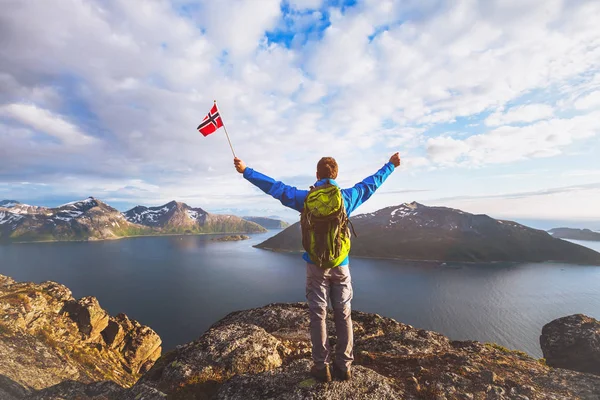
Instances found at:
x=342 y=374
x=321 y=374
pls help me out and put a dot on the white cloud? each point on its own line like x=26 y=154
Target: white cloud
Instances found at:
x=152 y=69
x=521 y=114
x=238 y=25
x=589 y=101
x=446 y=150
x=47 y=122
x=509 y=143
x=577 y=202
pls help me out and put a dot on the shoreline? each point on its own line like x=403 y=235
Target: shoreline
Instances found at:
x=435 y=261
x=127 y=237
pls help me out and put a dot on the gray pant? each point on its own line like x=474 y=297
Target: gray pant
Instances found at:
x=323 y=285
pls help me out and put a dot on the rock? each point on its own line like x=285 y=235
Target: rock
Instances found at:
x=258 y=353
x=89 y=316
x=5 y=280
x=488 y=376
x=293 y=383
x=47 y=337
x=69 y=390
x=113 y=334
x=139 y=345
x=11 y=390
x=262 y=353
x=572 y=342
x=77 y=390
x=142 y=344
x=216 y=356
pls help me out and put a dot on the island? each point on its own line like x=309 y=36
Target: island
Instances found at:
x=231 y=238
x=575 y=234
x=268 y=222
x=413 y=231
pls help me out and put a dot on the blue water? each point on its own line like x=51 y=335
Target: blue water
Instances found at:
x=180 y=285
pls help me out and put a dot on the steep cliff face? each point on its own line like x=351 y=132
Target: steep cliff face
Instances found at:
x=47 y=336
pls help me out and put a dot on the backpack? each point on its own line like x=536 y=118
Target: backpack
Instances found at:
x=324 y=223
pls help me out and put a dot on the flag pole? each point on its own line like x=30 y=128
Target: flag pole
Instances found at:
x=226 y=134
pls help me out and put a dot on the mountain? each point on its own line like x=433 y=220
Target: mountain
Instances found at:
x=20 y=208
x=176 y=217
x=575 y=234
x=8 y=203
x=87 y=219
x=268 y=222
x=418 y=232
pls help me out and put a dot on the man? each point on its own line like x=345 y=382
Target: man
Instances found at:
x=325 y=284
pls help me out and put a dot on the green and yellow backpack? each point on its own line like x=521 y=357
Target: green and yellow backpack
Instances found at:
x=325 y=226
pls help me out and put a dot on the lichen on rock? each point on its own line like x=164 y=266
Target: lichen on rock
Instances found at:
x=572 y=342
x=47 y=337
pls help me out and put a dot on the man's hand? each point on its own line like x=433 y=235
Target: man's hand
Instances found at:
x=240 y=166
x=395 y=159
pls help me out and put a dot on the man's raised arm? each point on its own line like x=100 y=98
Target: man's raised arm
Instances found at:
x=289 y=196
x=361 y=192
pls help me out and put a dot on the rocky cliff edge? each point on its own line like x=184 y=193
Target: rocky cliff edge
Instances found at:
x=47 y=337
x=264 y=353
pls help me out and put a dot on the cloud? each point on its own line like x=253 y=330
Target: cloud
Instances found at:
x=589 y=101
x=45 y=121
x=355 y=82
x=569 y=202
x=445 y=150
x=509 y=143
x=525 y=113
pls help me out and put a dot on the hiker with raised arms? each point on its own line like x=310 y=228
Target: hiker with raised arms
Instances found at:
x=325 y=211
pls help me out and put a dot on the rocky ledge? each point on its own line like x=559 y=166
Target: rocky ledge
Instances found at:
x=70 y=349
x=264 y=353
x=47 y=337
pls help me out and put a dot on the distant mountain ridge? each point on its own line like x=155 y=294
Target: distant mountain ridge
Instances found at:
x=413 y=231
x=575 y=234
x=92 y=219
x=268 y=222
x=177 y=217
x=89 y=219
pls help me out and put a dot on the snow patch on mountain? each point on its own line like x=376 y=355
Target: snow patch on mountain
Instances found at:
x=7 y=217
x=193 y=214
x=88 y=203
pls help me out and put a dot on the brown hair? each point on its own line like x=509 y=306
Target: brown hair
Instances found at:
x=327 y=168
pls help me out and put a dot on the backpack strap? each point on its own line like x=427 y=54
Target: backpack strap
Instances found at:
x=352 y=226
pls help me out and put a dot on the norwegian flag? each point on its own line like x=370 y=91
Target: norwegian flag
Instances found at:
x=211 y=122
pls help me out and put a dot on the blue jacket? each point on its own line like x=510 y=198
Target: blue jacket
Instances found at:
x=292 y=197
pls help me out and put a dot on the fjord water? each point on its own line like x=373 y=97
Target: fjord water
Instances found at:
x=180 y=285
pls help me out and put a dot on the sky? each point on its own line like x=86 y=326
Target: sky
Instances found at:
x=494 y=105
